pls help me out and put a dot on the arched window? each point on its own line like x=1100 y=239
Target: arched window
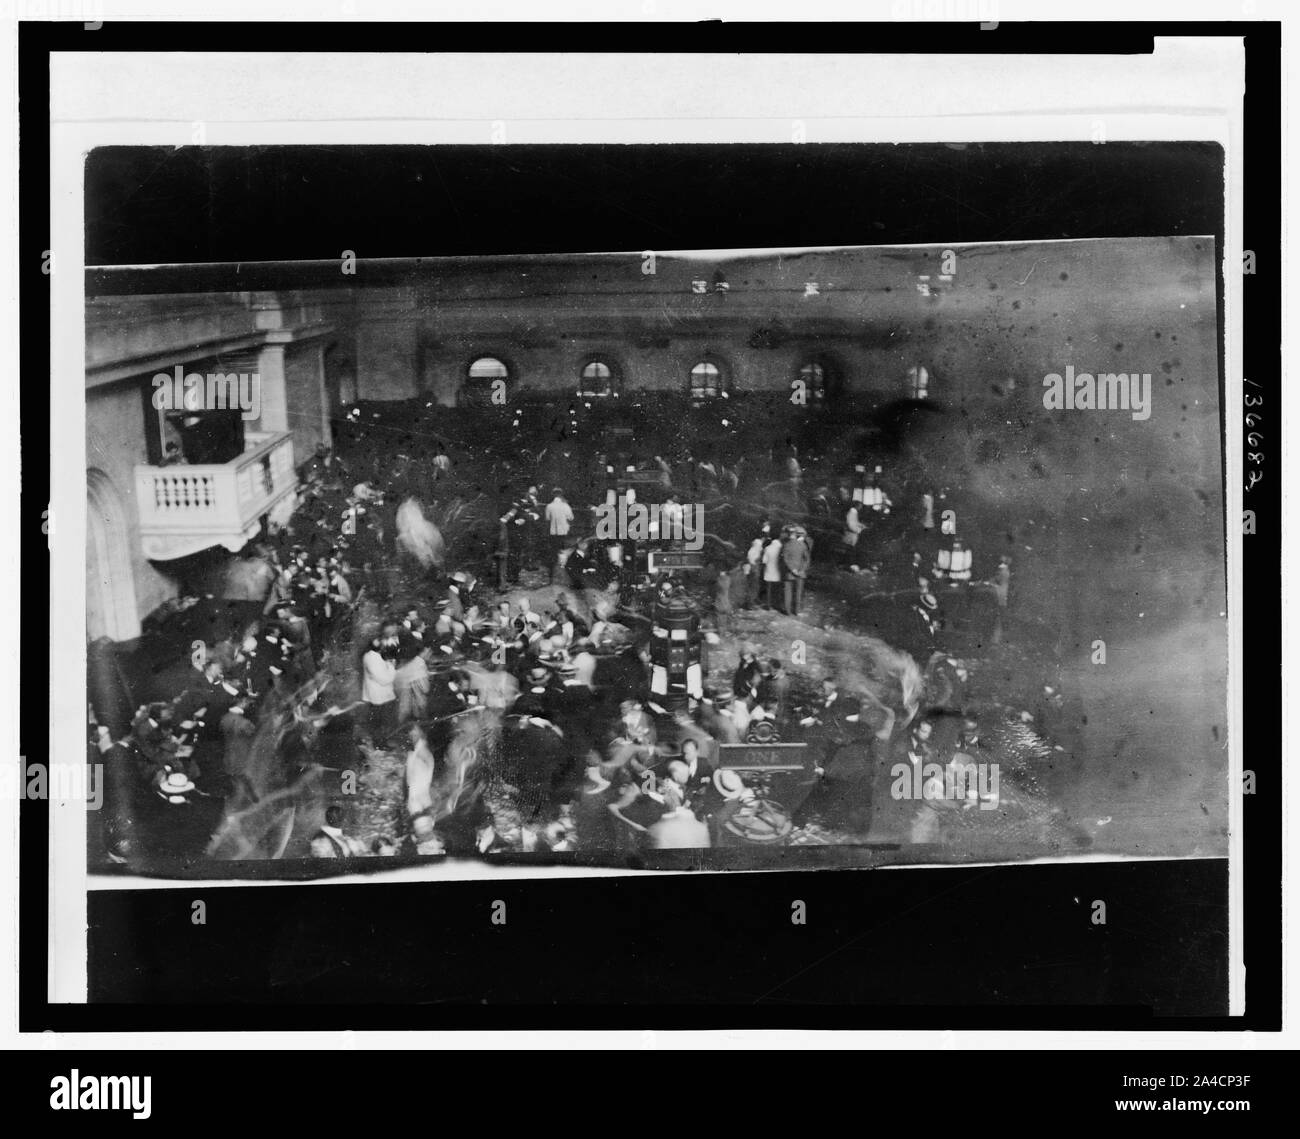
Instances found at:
x=486 y=369
x=707 y=381
x=488 y=380
x=813 y=376
x=918 y=382
x=597 y=378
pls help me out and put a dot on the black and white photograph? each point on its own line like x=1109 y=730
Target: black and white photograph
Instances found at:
x=708 y=558
x=748 y=537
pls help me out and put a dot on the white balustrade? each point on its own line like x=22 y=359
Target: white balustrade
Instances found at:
x=189 y=507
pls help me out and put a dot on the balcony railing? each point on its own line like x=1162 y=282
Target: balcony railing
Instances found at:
x=190 y=507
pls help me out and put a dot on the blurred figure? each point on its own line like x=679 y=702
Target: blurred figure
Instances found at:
x=723 y=608
x=237 y=732
x=411 y=684
x=591 y=812
x=424 y=838
x=418 y=537
x=419 y=773
x=853 y=527
x=677 y=828
x=754 y=571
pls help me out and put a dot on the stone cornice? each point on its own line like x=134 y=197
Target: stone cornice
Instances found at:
x=110 y=371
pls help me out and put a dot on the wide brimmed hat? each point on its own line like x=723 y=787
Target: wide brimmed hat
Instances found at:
x=728 y=784
x=175 y=787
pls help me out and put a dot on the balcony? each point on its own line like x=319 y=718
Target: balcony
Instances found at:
x=187 y=508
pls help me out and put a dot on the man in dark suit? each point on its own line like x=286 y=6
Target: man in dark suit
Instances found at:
x=411 y=634
x=745 y=680
x=446 y=697
x=843 y=800
x=774 y=692
x=205 y=693
x=796 y=557
x=833 y=722
x=538 y=694
x=199 y=711
x=699 y=766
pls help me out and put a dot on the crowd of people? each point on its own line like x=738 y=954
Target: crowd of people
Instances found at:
x=524 y=716
x=182 y=760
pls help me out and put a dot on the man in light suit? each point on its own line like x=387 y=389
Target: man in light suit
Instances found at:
x=377 y=687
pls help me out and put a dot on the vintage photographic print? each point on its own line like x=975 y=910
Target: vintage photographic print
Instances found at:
x=778 y=525
x=710 y=559
x=711 y=538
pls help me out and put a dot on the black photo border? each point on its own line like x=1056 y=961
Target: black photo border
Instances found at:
x=676 y=952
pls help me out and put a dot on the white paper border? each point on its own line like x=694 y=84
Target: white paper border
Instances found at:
x=183 y=89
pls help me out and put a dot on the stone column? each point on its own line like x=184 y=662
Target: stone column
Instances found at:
x=318 y=364
x=275 y=394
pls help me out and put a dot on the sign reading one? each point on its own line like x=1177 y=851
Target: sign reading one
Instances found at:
x=763 y=757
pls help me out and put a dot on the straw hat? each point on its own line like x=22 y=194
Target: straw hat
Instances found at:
x=175 y=787
x=728 y=784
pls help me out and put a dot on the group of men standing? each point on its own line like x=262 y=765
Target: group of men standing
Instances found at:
x=532 y=535
x=778 y=559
